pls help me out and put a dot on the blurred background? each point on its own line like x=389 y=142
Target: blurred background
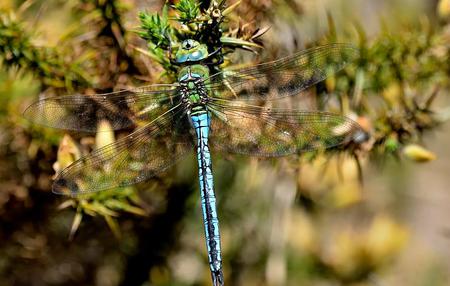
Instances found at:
x=375 y=214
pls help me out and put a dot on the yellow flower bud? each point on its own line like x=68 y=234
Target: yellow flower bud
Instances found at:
x=68 y=152
x=444 y=9
x=418 y=153
x=105 y=134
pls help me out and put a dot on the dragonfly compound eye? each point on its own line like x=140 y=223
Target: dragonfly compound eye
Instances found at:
x=189 y=44
x=191 y=51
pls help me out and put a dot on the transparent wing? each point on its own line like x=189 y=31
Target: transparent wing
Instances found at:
x=283 y=77
x=253 y=130
x=136 y=157
x=83 y=112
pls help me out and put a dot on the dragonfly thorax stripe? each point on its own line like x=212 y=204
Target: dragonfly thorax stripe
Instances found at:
x=192 y=85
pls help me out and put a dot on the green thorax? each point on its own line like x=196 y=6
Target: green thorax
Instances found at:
x=193 y=72
x=190 y=76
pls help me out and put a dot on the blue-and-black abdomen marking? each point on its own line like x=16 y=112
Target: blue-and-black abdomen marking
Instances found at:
x=201 y=123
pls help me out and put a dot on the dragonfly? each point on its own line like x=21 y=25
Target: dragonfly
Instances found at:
x=226 y=111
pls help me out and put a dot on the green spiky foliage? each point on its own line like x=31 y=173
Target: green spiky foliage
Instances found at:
x=155 y=29
x=394 y=84
x=49 y=64
x=190 y=19
x=188 y=11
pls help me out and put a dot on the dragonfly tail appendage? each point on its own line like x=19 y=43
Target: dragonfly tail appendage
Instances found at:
x=217 y=278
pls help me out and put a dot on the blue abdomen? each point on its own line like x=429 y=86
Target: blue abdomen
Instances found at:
x=201 y=123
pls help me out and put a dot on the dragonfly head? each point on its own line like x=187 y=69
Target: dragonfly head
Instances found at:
x=191 y=51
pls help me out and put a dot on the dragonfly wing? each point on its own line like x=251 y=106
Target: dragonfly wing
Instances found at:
x=83 y=112
x=132 y=159
x=253 y=130
x=284 y=77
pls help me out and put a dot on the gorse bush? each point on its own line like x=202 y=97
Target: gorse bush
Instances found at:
x=390 y=89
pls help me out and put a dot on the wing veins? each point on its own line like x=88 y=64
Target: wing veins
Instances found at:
x=108 y=154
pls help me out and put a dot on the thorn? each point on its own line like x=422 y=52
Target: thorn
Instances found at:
x=432 y=97
x=359 y=167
